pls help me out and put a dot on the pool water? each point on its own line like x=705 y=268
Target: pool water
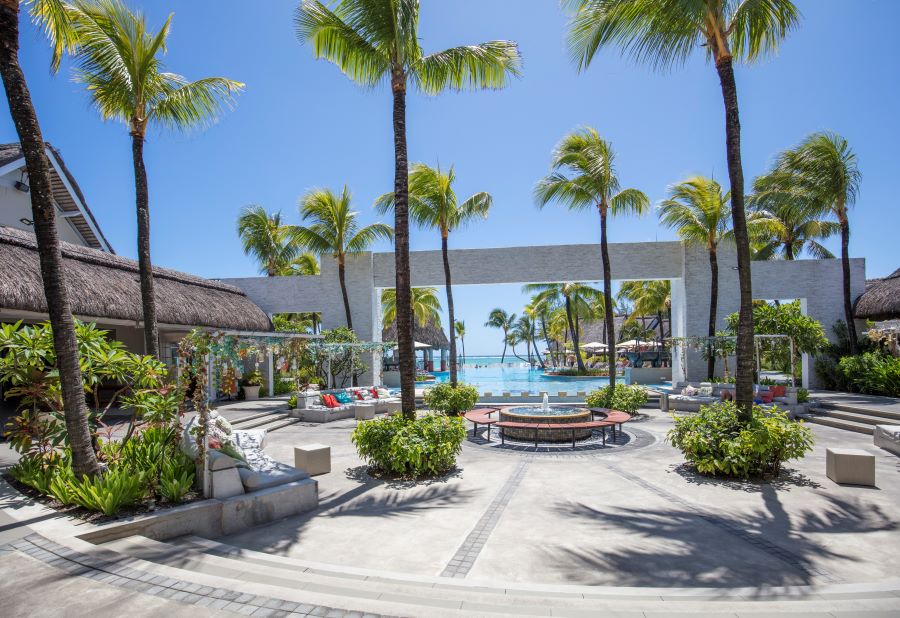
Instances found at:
x=498 y=379
x=538 y=411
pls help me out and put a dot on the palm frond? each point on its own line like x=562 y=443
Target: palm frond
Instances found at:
x=185 y=105
x=758 y=26
x=486 y=65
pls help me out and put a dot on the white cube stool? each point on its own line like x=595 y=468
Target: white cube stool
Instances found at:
x=364 y=411
x=314 y=458
x=850 y=466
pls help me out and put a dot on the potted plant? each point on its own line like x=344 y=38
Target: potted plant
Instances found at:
x=251 y=383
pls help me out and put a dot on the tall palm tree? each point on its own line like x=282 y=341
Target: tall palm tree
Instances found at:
x=790 y=223
x=824 y=170
x=266 y=238
x=499 y=318
x=649 y=298
x=433 y=204
x=697 y=209
x=574 y=297
x=375 y=41
x=459 y=329
x=43 y=213
x=583 y=176
x=665 y=33
x=426 y=308
x=305 y=264
x=118 y=62
x=536 y=315
x=333 y=230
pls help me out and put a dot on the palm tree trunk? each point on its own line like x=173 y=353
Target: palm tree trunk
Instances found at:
x=450 y=317
x=142 y=199
x=662 y=335
x=744 y=373
x=405 y=347
x=845 y=267
x=343 y=280
x=574 y=330
x=84 y=462
x=503 y=356
x=789 y=250
x=537 y=352
x=547 y=340
x=713 y=309
x=608 y=318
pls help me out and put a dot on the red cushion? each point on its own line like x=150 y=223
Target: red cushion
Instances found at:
x=374 y=393
x=778 y=391
x=359 y=395
x=766 y=396
x=330 y=401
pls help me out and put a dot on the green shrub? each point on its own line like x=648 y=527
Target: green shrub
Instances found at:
x=874 y=373
x=283 y=387
x=110 y=491
x=624 y=398
x=33 y=471
x=177 y=477
x=718 y=443
x=292 y=402
x=425 y=446
x=451 y=400
x=253 y=378
x=802 y=395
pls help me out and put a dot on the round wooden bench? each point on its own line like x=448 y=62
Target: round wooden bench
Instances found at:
x=482 y=416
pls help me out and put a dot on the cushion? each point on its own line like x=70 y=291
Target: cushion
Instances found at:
x=330 y=401
x=689 y=390
x=766 y=396
x=223 y=424
x=344 y=397
x=778 y=391
x=705 y=391
x=384 y=393
x=374 y=392
x=220 y=461
x=359 y=395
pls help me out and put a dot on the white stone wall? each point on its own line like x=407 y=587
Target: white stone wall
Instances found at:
x=816 y=282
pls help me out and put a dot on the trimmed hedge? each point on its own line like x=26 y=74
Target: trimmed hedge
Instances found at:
x=426 y=446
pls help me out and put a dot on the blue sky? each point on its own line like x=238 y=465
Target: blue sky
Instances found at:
x=302 y=124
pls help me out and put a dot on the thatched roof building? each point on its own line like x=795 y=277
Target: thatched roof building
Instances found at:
x=431 y=333
x=881 y=300
x=103 y=285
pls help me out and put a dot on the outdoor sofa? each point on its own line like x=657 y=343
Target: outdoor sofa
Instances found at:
x=311 y=405
x=691 y=396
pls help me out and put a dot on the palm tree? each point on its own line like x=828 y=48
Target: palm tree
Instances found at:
x=266 y=238
x=574 y=297
x=697 y=210
x=305 y=264
x=118 y=62
x=824 y=170
x=499 y=318
x=666 y=33
x=536 y=314
x=790 y=223
x=433 y=204
x=43 y=213
x=583 y=176
x=649 y=298
x=459 y=328
x=426 y=308
x=333 y=230
x=374 y=41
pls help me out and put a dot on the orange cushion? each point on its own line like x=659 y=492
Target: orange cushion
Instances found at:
x=766 y=396
x=330 y=401
x=778 y=391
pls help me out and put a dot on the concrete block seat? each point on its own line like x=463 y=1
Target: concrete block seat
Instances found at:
x=239 y=464
x=850 y=466
x=888 y=438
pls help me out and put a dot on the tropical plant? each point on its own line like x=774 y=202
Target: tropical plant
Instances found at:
x=451 y=400
x=109 y=492
x=874 y=373
x=648 y=298
x=426 y=307
x=267 y=239
x=583 y=176
x=373 y=41
x=574 y=298
x=117 y=60
x=823 y=173
x=718 y=441
x=666 y=33
x=625 y=398
x=426 y=446
x=433 y=205
x=177 y=477
x=459 y=330
x=333 y=230
x=48 y=15
x=790 y=222
x=697 y=210
x=305 y=264
x=499 y=318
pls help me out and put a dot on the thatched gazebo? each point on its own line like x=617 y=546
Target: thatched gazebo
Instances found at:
x=105 y=288
x=431 y=334
x=881 y=300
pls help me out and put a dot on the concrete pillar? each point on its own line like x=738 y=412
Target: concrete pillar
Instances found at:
x=270 y=371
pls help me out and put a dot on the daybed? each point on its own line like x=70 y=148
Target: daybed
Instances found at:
x=314 y=406
x=690 y=396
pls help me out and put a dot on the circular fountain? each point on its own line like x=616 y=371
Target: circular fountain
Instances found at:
x=545 y=413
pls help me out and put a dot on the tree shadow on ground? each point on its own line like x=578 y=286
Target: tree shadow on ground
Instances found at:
x=688 y=548
x=787 y=479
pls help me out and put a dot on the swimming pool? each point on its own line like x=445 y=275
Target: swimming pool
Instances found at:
x=498 y=379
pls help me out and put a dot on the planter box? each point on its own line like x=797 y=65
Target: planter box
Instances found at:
x=251 y=393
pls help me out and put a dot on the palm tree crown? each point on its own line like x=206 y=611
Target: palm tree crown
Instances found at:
x=699 y=212
x=790 y=222
x=267 y=239
x=425 y=306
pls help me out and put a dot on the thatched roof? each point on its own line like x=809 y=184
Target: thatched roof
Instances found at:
x=65 y=192
x=881 y=300
x=431 y=333
x=102 y=285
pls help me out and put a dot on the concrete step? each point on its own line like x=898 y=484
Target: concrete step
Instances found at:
x=821 y=419
x=885 y=415
x=251 y=417
x=855 y=417
x=262 y=421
